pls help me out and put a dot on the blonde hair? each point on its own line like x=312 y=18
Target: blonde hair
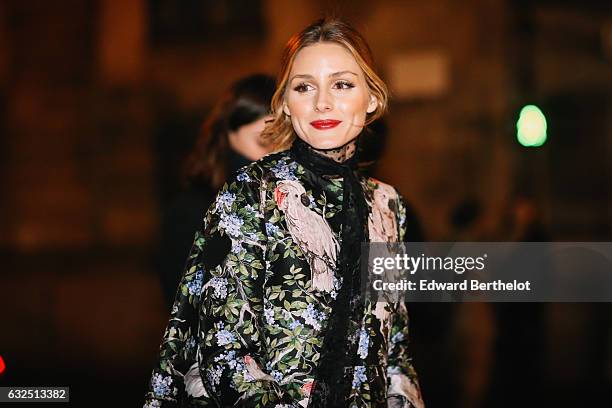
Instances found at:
x=279 y=131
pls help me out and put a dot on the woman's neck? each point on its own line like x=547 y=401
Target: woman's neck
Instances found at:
x=338 y=154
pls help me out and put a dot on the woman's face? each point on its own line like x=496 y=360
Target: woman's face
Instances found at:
x=327 y=97
x=247 y=140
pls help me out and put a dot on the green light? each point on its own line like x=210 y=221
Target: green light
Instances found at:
x=531 y=127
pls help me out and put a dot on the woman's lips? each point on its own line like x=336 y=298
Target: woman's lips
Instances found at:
x=325 y=124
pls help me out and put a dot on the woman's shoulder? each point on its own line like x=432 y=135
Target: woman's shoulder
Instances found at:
x=250 y=181
x=277 y=165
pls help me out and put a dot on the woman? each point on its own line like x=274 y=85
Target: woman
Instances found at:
x=230 y=138
x=269 y=311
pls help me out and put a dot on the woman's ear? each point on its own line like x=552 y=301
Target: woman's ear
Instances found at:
x=373 y=104
x=286 y=109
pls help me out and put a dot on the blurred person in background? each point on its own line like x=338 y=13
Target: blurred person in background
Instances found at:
x=230 y=138
x=471 y=325
x=269 y=311
x=521 y=337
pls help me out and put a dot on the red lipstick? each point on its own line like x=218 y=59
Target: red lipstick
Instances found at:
x=325 y=124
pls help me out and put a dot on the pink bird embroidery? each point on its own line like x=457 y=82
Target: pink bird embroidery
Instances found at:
x=401 y=384
x=382 y=224
x=310 y=231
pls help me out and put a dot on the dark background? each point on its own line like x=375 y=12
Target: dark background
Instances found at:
x=100 y=100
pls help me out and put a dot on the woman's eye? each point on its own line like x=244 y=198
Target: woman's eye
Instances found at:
x=303 y=87
x=344 y=85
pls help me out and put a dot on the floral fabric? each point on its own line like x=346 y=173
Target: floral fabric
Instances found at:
x=257 y=293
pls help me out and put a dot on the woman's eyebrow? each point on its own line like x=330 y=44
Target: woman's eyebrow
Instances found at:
x=306 y=76
x=337 y=74
x=333 y=75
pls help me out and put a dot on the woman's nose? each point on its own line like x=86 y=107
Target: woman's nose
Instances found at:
x=323 y=102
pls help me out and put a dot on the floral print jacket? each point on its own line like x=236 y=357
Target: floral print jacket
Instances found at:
x=257 y=291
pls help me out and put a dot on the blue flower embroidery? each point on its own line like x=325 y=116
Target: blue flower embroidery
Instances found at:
x=359 y=377
x=243 y=176
x=213 y=375
x=284 y=171
x=364 y=342
x=231 y=223
x=224 y=336
x=195 y=286
x=250 y=209
x=236 y=247
x=220 y=287
x=277 y=375
x=399 y=336
x=271 y=229
x=313 y=317
x=295 y=324
x=269 y=315
x=161 y=385
x=226 y=200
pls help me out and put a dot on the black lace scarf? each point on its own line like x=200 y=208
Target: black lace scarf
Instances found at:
x=334 y=373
